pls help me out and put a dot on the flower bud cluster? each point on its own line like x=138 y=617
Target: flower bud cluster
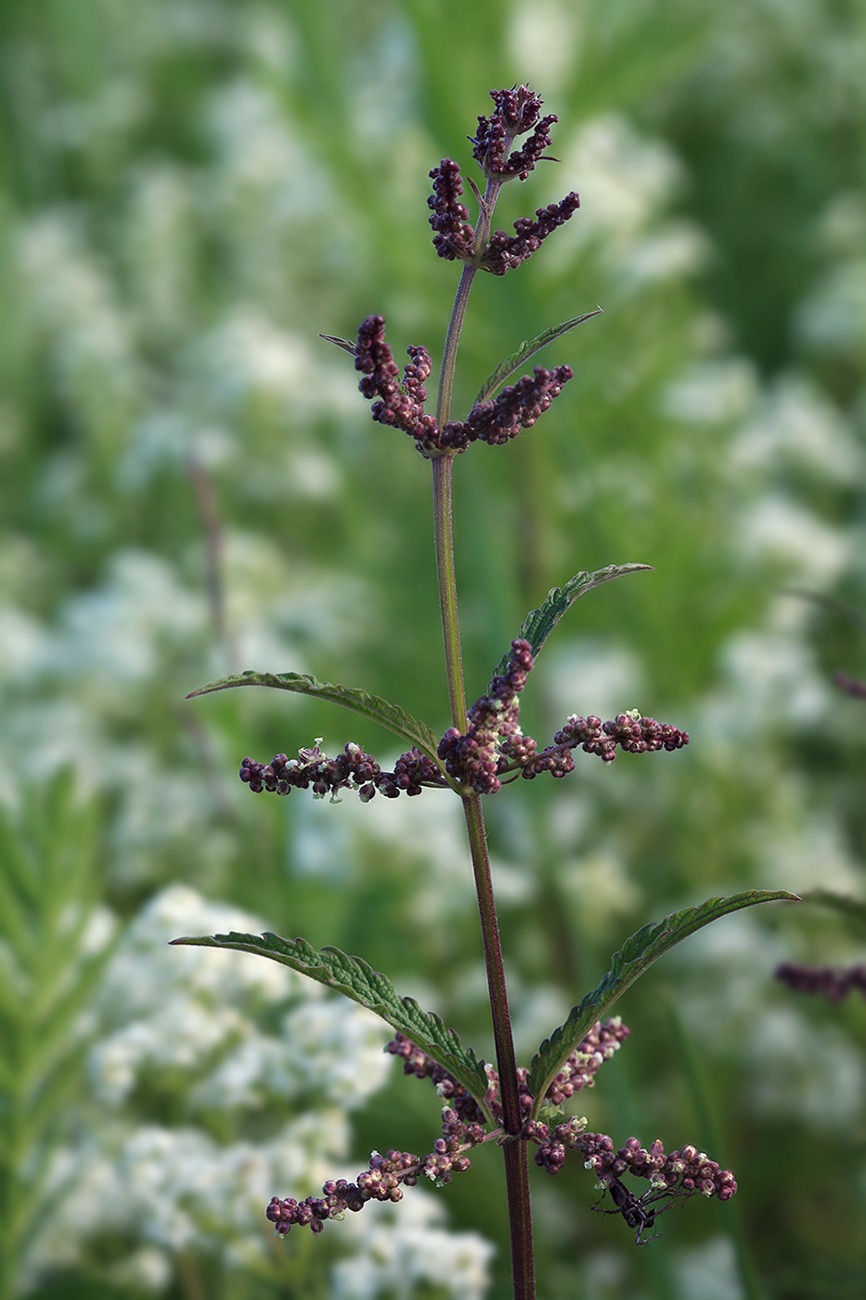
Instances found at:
x=504 y=252
x=555 y=1143
x=401 y=403
x=632 y=733
x=350 y=769
x=686 y=1171
x=835 y=984
x=597 y=1046
x=383 y=1180
x=473 y=758
x=454 y=236
x=517 y=111
x=579 y=1071
x=515 y=408
x=423 y=1066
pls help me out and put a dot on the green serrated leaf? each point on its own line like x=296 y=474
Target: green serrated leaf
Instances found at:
x=341 y=343
x=636 y=955
x=539 y=623
x=391 y=716
x=356 y=979
x=526 y=350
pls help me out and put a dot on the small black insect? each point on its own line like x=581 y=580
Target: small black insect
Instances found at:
x=634 y=1209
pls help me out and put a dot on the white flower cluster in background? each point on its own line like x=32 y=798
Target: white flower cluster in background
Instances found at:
x=165 y=1010
x=216 y=1037
x=404 y=1247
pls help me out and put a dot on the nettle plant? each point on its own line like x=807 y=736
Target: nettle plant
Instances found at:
x=484 y=749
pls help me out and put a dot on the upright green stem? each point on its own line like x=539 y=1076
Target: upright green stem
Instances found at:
x=516 y=1171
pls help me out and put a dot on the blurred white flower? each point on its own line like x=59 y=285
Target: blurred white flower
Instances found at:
x=805 y=1069
x=778 y=529
x=795 y=426
x=192 y=1023
x=74 y=301
x=589 y=676
x=712 y=392
x=545 y=42
x=769 y=679
x=24 y=646
x=624 y=179
x=832 y=317
x=401 y=1248
x=121 y=629
x=709 y=1271
x=680 y=248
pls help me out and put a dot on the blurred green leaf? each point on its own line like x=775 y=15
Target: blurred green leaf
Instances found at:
x=635 y=957
x=850 y=909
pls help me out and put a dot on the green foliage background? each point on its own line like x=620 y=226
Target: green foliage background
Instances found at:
x=190 y=486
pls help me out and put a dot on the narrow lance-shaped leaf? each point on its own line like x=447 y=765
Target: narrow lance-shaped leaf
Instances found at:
x=397 y=720
x=356 y=979
x=524 y=352
x=539 y=623
x=345 y=344
x=635 y=957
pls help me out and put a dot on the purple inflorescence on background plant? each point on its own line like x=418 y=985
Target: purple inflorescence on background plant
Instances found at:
x=483 y=749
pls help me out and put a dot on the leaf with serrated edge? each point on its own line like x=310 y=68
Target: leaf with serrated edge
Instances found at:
x=396 y=720
x=636 y=955
x=526 y=350
x=539 y=623
x=356 y=979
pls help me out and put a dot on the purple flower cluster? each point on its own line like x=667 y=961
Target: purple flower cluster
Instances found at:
x=634 y=735
x=517 y=111
x=454 y=236
x=464 y=1126
x=579 y=1071
x=554 y=1143
x=422 y=1066
x=473 y=758
x=504 y=252
x=686 y=1171
x=383 y=1180
x=835 y=984
x=493 y=747
x=497 y=420
x=351 y=769
x=400 y=403
x=596 y=1047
